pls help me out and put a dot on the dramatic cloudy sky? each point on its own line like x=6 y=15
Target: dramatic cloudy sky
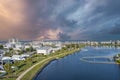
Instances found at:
x=60 y=19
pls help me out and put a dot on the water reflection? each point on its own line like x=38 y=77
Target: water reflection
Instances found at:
x=72 y=68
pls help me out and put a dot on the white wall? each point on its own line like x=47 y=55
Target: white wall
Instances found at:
x=45 y=52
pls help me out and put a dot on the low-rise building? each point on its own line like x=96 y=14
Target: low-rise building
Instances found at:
x=27 y=46
x=56 y=48
x=7 y=60
x=44 y=50
x=2 y=52
x=1 y=55
x=13 y=43
x=17 y=58
x=25 y=55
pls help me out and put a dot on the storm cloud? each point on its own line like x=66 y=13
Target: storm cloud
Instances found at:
x=60 y=19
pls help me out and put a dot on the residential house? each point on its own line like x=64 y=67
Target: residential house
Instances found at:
x=7 y=60
x=17 y=58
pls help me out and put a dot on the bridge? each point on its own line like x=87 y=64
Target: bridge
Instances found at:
x=84 y=59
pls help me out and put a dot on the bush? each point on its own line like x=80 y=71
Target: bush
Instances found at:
x=7 y=68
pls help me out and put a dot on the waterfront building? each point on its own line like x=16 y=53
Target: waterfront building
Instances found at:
x=106 y=42
x=118 y=42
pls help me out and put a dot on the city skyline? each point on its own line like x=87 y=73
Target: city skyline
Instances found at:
x=60 y=19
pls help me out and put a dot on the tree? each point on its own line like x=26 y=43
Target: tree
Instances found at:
x=7 y=68
x=20 y=52
x=68 y=46
x=11 y=49
x=1 y=47
x=29 y=49
x=77 y=46
x=16 y=63
x=73 y=45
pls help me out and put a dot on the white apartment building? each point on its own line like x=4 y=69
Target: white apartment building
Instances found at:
x=44 y=50
x=13 y=43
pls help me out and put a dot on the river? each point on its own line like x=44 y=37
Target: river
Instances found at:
x=73 y=68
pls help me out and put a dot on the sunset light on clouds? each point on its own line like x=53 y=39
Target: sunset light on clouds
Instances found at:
x=60 y=19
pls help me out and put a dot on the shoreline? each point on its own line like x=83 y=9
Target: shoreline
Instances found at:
x=42 y=64
x=48 y=64
x=42 y=69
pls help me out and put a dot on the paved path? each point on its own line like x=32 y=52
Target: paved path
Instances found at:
x=20 y=77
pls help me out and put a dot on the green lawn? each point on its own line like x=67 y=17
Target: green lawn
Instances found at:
x=36 y=69
x=35 y=59
x=22 y=66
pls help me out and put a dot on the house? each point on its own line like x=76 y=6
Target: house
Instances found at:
x=1 y=69
x=25 y=55
x=17 y=58
x=18 y=47
x=1 y=55
x=36 y=46
x=27 y=46
x=7 y=60
x=44 y=50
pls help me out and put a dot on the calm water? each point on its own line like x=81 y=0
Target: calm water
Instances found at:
x=72 y=68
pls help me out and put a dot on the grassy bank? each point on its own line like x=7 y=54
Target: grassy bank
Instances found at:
x=37 y=62
x=33 y=72
x=22 y=66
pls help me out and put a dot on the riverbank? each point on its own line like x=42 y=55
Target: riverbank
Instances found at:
x=31 y=72
x=72 y=68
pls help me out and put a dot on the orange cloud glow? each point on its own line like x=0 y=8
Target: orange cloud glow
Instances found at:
x=12 y=15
